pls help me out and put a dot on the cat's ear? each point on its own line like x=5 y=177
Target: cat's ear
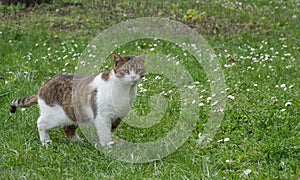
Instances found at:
x=117 y=58
x=142 y=56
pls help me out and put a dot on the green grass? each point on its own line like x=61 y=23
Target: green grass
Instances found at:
x=257 y=43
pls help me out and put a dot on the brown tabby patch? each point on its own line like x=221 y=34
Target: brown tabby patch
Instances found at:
x=105 y=75
x=71 y=93
x=94 y=102
x=70 y=130
x=115 y=124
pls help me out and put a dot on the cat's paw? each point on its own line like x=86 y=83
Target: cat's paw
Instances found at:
x=107 y=145
x=75 y=138
x=47 y=142
x=110 y=144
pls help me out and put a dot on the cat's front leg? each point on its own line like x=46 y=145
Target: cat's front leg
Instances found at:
x=103 y=127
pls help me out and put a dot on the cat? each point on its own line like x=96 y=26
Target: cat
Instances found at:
x=103 y=100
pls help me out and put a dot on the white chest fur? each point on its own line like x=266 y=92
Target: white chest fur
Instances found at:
x=114 y=98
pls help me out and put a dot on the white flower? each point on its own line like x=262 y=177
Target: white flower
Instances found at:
x=255 y=85
x=209 y=139
x=157 y=77
x=231 y=97
x=199 y=135
x=152 y=49
x=288 y=103
x=194 y=102
x=218 y=110
x=229 y=160
x=247 y=171
x=274 y=98
x=227 y=65
x=191 y=87
x=140 y=85
x=144 y=79
x=163 y=93
x=226 y=139
x=282 y=164
x=282 y=85
x=201 y=104
x=143 y=90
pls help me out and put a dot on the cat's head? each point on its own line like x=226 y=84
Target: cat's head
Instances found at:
x=129 y=69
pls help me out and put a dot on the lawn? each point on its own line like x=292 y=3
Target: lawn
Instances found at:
x=256 y=43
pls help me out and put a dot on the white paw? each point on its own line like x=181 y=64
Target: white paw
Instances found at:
x=110 y=144
x=47 y=142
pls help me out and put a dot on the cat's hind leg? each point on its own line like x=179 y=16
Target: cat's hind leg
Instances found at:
x=43 y=127
x=50 y=118
x=70 y=131
x=115 y=124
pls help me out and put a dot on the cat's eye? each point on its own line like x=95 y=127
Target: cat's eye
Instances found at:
x=139 y=71
x=126 y=71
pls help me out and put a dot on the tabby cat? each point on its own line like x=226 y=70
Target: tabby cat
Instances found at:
x=103 y=100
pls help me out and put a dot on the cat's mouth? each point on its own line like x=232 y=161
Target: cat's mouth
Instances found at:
x=134 y=82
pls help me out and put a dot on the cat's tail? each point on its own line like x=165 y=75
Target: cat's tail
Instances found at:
x=22 y=102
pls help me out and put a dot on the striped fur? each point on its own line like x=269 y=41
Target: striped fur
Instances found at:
x=23 y=102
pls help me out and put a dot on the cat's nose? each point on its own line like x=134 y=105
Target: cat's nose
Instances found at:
x=133 y=77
